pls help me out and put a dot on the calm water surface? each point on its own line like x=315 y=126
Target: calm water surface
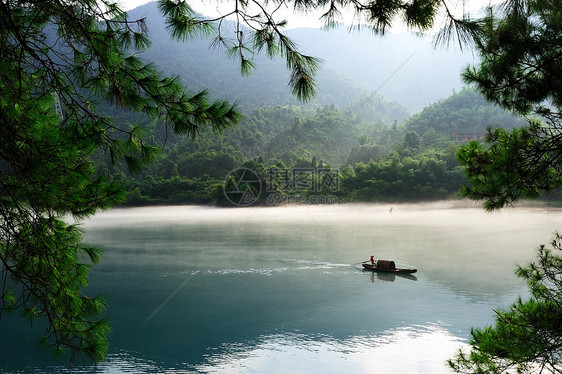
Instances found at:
x=272 y=290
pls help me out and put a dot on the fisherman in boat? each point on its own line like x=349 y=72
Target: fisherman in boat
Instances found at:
x=373 y=260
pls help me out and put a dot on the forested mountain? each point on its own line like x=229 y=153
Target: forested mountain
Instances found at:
x=466 y=109
x=203 y=67
x=439 y=124
x=378 y=160
x=403 y=68
x=379 y=152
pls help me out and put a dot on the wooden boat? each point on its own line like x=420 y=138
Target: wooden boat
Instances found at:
x=387 y=267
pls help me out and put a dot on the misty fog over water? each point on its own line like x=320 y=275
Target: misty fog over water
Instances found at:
x=272 y=290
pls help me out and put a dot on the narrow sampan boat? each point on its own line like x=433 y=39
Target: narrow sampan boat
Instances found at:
x=386 y=266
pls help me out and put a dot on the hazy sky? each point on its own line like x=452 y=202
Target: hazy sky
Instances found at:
x=215 y=8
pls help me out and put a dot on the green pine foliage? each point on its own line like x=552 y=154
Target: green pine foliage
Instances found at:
x=46 y=175
x=520 y=71
x=59 y=60
x=525 y=337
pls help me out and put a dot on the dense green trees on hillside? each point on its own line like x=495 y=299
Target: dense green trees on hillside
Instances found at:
x=466 y=109
x=401 y=163
x=396 y=178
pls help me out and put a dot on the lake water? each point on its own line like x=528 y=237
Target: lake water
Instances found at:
x=272 y=290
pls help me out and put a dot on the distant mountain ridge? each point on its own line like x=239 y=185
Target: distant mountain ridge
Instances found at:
x=201 y=67
x=404 y=67
x=401 y=67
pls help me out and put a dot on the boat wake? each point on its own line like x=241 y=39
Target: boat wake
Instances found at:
x=289 y=264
